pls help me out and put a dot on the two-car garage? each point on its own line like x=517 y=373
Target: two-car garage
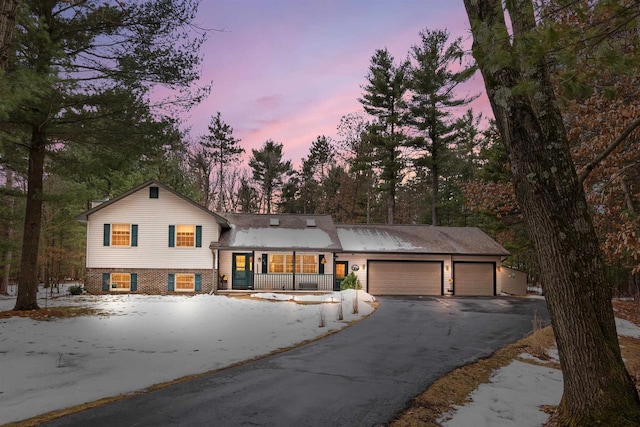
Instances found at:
x=391 y=259
x=387 y=277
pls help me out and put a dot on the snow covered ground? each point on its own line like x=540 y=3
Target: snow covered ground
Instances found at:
x=146 y=340
x=515 y=392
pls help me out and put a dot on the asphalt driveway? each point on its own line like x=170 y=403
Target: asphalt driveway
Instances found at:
x=361 y=376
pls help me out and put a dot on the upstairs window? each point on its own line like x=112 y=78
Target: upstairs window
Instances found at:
x=120 y=235
x=153 y=192
x=185 y=236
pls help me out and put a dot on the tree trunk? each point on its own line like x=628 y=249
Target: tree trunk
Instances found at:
x=597 y=388
x=8 y=234
x=8 y=10
x=391 y=199
x=434 y=188
x=28 y=282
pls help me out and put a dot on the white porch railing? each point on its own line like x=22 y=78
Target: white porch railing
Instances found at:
x=289 y=281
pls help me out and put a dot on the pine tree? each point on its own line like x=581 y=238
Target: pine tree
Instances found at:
x=431 y=96
x=81 y=74
x=269 y=169
x=221 y=149
x=383 y=99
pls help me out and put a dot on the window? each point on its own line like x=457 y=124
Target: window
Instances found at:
x=185 y=282
x=153 y=192
x=120 y=282
x=284 y=263
x=276 y=263
x=185 y=236
x=120 y=234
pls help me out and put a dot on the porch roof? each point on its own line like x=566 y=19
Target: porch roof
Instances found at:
x=283 y=232
x=418 y=239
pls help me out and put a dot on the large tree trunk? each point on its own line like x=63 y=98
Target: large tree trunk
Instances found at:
x=28 y=282
x=8 y=234
x=597 y=387
x=8 y=10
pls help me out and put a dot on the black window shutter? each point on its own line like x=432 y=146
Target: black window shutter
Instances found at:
x=321 y=264
x=172 y=236
x=134 y=235
x=106 y=278
x=198 y=236
x=107 y=235
x=171 y=282
x=198 y=281
x=133 y=283
x=265 y=263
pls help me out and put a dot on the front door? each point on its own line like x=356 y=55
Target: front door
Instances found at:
x=341 y=272
x=242 y=276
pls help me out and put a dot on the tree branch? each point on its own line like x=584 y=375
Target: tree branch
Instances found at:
x=587 y=170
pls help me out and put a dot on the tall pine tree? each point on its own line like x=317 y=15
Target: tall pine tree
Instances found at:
x=383 y=99
x=82 y=72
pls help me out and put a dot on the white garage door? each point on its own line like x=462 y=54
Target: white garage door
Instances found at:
x=473 y=278
x=405 y=278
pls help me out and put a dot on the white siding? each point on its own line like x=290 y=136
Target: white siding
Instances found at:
x=153 y=217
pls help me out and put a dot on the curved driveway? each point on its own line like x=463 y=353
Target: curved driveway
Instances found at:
x=361 y=376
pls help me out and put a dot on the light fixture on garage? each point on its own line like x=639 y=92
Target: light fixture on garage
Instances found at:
x=446 y=267
x=499 y=268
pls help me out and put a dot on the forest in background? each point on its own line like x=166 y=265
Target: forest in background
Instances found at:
x=408 y=157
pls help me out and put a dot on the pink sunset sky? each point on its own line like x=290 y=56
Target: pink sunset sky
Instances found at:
x=288 y=70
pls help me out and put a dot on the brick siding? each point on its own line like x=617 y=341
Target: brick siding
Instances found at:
x=150 y=281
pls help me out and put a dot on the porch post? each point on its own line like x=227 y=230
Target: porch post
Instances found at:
x=293 y=284
x=214 y=273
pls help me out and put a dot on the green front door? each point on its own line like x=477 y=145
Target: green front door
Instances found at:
x=341 y=272
x=242 y=275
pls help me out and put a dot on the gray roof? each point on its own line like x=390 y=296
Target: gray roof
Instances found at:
x=84 y=216
x=418 y=239
x=279 y=232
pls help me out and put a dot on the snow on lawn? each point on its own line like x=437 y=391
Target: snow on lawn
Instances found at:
x=515 y=392
x=143 y=341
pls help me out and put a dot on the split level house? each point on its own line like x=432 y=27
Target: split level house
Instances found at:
x=154 y=240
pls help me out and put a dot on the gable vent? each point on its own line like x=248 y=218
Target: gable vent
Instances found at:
x=311 y=223
x=274 y=222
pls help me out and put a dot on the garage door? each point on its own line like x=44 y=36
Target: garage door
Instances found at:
x=405 y=278
x=473 y=278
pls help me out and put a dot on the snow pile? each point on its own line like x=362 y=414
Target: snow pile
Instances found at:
x=627 y=329
x=514 y=393
x=143 y=341
x=511 y=398
x=347 y=297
